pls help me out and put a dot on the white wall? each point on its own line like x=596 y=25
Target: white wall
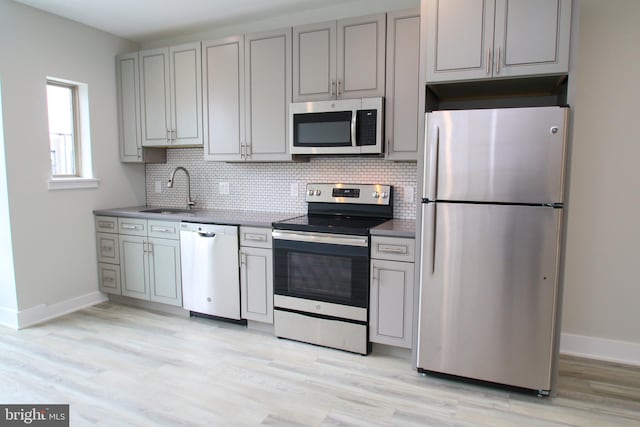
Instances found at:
x=601 y=314
x=8 y=302
x=52 y=231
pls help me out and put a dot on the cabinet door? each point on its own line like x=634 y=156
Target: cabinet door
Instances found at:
x=109 y=278
x=460 y=39
x=164 y=271
x=532 y=37
x=155 y=97
x=361 y=56
x=133 y=266
x=128 y=86
x=403 y=84
x=186 y=94
x=256 y=284
x=224 y=98
x=268 y=94
x=314 y=62
x=391 y=312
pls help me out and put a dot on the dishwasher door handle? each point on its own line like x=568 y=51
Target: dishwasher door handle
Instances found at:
x=203 y=234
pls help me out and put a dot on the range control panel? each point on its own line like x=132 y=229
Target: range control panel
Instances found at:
x=368 y=194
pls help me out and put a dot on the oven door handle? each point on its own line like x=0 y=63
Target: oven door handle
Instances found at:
x=331 y=239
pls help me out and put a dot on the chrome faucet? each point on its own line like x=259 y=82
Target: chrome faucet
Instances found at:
x=190 y=203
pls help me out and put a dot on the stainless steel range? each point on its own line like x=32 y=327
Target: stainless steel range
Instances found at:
x=321 y=265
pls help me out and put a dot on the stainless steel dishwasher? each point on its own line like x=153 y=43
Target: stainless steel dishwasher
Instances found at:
x=210 y=275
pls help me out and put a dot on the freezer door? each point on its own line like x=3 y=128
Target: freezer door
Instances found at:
x=488 y=292
x=510 y=155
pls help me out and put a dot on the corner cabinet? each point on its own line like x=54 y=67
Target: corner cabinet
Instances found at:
x=256 y=274
x=247 y=90
x=484 y=39
x=129 y=131
x=339 y=59
x=171 y=96
x=150 y=260
x=403 y=84
x=392 y=291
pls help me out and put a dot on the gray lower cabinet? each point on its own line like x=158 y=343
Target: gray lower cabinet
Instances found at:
x=392 y=291
x=139 y=258
x=256 y=274
x=108 y=251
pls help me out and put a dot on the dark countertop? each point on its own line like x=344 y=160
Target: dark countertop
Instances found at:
x=206 y=216
x=396 y=228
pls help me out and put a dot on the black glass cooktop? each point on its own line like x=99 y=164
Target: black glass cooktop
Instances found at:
x=330 y=224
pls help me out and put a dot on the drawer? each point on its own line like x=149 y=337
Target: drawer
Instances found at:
x=109 y=278
x=164 y=229
x=132 y=226
x=108 y=248
x=106 y=224
x=256 y=237
x=393 y=248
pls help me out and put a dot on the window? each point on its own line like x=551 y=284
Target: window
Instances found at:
x=69 y=135
x=62 y=103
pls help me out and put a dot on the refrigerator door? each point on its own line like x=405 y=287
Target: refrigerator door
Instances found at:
x=509 y=155
x=488 y=292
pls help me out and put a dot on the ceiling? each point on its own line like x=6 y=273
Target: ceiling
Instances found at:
x=142 y=20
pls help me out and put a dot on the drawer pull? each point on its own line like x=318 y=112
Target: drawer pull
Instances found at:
x=131 y=227
x=255 y=237
x=107 y=248
x=392 y=249
x=162 y=229
x=108 y=279
x=105 y=224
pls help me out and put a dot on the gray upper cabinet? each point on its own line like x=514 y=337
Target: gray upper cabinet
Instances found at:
x=339 y=59
x=484 y=39
x=403 y=84
x=171 y=96
x=247 y=87
x=223 y=68
x=267 y=95
x=129 y=131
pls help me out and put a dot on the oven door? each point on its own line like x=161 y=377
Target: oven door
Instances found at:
x=322 y=267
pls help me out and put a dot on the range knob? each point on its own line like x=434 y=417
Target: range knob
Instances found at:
x=318 y=192
x=310 y=192
x=385 y=194
x=375 y=195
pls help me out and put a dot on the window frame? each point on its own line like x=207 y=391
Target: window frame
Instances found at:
x=77 y=135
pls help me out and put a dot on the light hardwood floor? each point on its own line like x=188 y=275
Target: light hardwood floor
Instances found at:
x=122 y=366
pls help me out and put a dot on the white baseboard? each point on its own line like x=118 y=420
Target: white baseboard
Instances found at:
x=600 y=349
x=8 y=318
x=44 y=312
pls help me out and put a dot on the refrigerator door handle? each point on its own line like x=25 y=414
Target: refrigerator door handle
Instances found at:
x=431 y=177
x=433 y=240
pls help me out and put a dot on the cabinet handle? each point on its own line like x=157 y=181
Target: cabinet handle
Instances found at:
x=333 y=88
x=255 y=237
x=168 y=135
x=105 y=224
x=174 y=135
x=106 y=249
x=144 y=247
x=498 y=59
x=150 y=248
x=243 y=258
x=339 y=84
x=375 y=276
x=242 y=150
x=131 y=227
x=488 y=61
x=391 y=249
x=108 y=279
x=248 y=149
x=161 y=229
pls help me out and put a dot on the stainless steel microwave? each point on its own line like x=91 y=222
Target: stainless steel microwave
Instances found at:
x=345 y=126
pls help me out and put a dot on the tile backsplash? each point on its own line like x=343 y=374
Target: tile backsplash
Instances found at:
x=268 y=186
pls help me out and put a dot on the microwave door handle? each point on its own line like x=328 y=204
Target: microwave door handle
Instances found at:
x=354 y=115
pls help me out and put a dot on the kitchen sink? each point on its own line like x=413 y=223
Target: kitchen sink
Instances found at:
x=168 y=211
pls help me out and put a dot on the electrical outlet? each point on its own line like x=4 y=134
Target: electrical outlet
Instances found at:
x=293 y=190
x=409 y=194
x=158 y=187
x=224 y=188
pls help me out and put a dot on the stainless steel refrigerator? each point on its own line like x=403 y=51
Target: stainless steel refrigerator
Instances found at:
x=492 y=209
